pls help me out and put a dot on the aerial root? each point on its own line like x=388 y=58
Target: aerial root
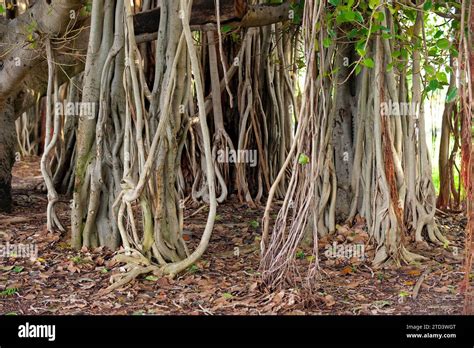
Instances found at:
x=405 y=256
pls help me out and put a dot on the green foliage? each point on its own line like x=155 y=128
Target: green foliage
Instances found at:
x=452 y=94
x=225 y=29
x=297 y=9
x=427 y=5
x=359 y=22
x=18 y=269
x=255 y=224
x=327 y=42
x=227 y=296
x=86 y=10
x=403 y=294
x=2 y=9
x=303 y=159
x=152 y=278
x=9 y=292
x=373 y=4
x=77 y=260
x=368 y=62
x=443 y=44
x=300 y=255
x=193 y=269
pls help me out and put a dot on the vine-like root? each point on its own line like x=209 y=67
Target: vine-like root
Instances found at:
x=382 y=258
x=128 y=277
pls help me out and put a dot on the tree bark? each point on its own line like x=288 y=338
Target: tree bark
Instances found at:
x=232 y=12
x=343 y=133
x=7 y=154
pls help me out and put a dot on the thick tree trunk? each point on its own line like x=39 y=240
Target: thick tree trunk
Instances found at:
x=21 y=62
x=7 y=154
x=51 y=18
x=343 y=133
x=447 y=156
x=469 y=178
x=90 y=219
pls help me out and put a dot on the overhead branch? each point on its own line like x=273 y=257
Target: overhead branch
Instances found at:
x=232 y=12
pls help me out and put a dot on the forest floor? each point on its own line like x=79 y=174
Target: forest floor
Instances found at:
x=64 y=281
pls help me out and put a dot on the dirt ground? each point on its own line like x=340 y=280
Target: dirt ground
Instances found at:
x=65 y=281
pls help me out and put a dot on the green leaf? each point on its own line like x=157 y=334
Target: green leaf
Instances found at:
x=2 y=10
x=438 y=34
x=454 y=52
x=335 y=2
x=18 y=269
x=441 y=76
x=430 y=70
x=373 y=4
x=151 y=278
x=368 y=62
x=225 y=29
x=433 y=52
x=8 y=292
x=346 y=16
x=361 y=52
x=360 y=45
x=303 y=159
x=428 y=5
x=300 y=254
x=403 y=294
x=433 y=85
x=443 y=44
x=227 y=295
x=404 y=53
x=193 y=269
x=254 y=223
x=379 y=15
x=88 y=7
x=349 y=15
x=375 y=28
x=358 y=17
x=352 y=34
x=327 y=42
x=452 y=94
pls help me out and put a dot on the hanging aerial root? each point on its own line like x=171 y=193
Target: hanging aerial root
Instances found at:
x=159 y=197
x=51 y=141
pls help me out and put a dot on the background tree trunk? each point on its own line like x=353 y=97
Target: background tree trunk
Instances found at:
x=343 y=131
x=7 y=154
